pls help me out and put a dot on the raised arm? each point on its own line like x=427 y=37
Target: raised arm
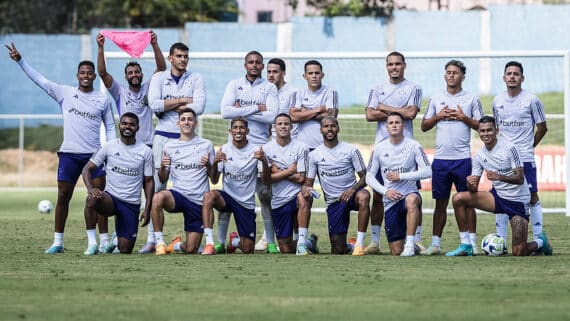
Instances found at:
x=45 y=84
x=158 y=56
x=101 y=64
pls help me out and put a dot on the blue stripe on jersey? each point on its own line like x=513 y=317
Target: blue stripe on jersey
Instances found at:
x=516 y=157
x=370 y=97
x=540 y=109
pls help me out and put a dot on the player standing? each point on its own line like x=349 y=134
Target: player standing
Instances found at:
x=510 y=194
x=311 y=104
x=401 y=161
x=238 y=161
x=168 y=93
x=83 y=109
x=257 y=100
x=128 y=165
x=187 y=161
x=400 y=95
x=335 y=162
x=454 y=113
x=517 y=112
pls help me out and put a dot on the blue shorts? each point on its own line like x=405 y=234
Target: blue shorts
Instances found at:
x=127 y=218
x=71 y=165
x=192 y=212
x=284 y=218
x=511 y=208
x=338 y=215
x=447 y=172
x=530 y=175
x=395 y=221
x=244 y=217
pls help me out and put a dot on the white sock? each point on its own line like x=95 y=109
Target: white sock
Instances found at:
x=418 y=236
x=235 y=242
x=267 y=224
x=302 y=235
x=104 y=239
x=91 y=237
x=150 y=233
x=360 y=236
x=375 y=233
x=115 y=241
x=436 y=241
x=539 y=242
x=58 y=239
x=223 y=225
x=501 y=224
x=264 y=235
x=464 y=237
x=410 y=239
x=473 y=238
x=536 y=219
x=159 y=238
x=295 y=236
x=177 y=246
x=209 y=233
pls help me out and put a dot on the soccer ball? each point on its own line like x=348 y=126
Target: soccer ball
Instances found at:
x=494 y=245
x=44 y=207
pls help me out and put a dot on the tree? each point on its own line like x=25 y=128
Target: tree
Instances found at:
x=79 y=16
x=356 y=8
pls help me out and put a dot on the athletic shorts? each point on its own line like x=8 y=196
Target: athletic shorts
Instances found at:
x=192 y=212
x=338 y=215
x=511 y=208
x=447 y=172
x=244 y=217
x=126 y=218
x=71 y=165
x=530 y=175
x=160 y=139
x=395 y=223
x=284 y=217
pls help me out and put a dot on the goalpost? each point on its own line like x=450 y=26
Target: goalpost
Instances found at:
x=353 y=74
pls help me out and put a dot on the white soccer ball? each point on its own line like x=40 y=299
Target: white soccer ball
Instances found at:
x=44 y=207
x=494 y=245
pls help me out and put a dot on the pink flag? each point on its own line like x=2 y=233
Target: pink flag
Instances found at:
x=132 y=42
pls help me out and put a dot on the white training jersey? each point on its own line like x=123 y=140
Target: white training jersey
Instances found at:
x=127 y=100
x=406 y=157
x=502 y=159
x=126 y=166
x=399 y=95
x=240 y=173
x=453 y=137
x=285 y=94
x=163 y=86
x=82 y=112
x=336 y=168
x=309 y=131
x=516 y=118
x=284 y=156
x=249 y=95
x=188 y=176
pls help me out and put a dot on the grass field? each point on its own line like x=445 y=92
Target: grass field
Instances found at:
x=70 y=286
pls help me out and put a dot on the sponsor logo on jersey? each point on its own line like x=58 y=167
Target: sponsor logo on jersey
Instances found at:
x=126 y=171
x=238 y=176
x=399 y=169
x=83 y=114
x=338 y=172
x=512 y=123
x=185 y=167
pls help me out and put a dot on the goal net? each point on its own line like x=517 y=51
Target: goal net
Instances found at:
x=353 y=74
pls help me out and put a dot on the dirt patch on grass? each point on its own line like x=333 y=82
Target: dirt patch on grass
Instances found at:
x=40 y=168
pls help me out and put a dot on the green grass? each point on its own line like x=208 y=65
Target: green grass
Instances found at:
x=70 y=286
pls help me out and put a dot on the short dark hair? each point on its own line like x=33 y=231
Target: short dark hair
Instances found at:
x=132 y=64
x=180 y=46
x=239 y=118
x=457 y=64
x=187 y=110
x=86 y=63
x=254 y=52
x=515 y=64
x=398 y=54
x=313 y=63
x=488 y=119
x=329 y=117
x=394 y=113
x=277 y=61
x=283 y=115
x=130 y=115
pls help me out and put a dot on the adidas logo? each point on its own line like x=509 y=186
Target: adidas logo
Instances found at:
x=323 y=160
x=485 y=160
x=177 y=152
x=240 y=88
x=386 y=155
x=382 y=94
x=442 y=103
x=117 y=154
x=76 y=96
x=537 y=224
